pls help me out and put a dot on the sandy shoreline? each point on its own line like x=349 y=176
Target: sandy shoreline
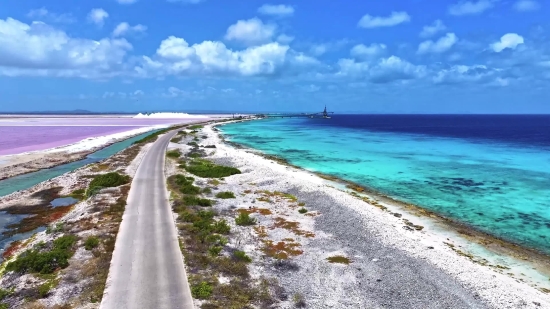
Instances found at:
x=441 y=249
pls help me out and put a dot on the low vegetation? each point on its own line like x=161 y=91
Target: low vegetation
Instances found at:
x=91 y=243
x=339 y=259
x=206 y=169
x=45 y=261
x=173 y=154
x=202 y=290
x=176 y=139
x=204 y=244
x=241 y=256
x=78 y=194
x=112 y=179
x=225 y=195
x=245 y=219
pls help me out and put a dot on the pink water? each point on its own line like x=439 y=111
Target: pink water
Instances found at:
x=18 y=135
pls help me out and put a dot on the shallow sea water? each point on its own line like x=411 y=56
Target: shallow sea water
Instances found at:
x=497 y=184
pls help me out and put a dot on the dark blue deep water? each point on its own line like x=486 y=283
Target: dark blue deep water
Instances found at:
x=490 y=172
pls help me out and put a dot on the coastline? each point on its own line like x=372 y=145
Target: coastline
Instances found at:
x=501 y=257
x=392 y=204
x=389 y=266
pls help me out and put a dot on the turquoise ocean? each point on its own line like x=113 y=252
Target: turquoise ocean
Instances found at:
x=488 y=172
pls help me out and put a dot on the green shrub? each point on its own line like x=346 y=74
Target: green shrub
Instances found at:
x=45 y=288
x=225 y=195
x=91 y=242
x=64 y=242
x=202 y=290
x=194 y=144
x=215 y=250
x=45 y=262
x=302 y=210
x=190 y=200
x=176 y=139
x=194 y=155
x=206 y=169
x=245 y=219
x=206 y=190
x=4 y=306
x=221 y=227
x=190 y=189
x=216 y=239
x=78 y=194
x=195 y=127
x=241 y=256
x=4 y=293
x=196 y=139
x=113 y=179
x=173 y=154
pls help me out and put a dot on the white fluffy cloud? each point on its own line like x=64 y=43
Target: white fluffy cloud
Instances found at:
x=464 y=74
x=509 y=40
x=470 y=7
x=42 y=14
x=396 y=18
x=276 y=10
x=431 y=30
x=250 y=32
x=323 y=48
x=526 y=5
x=98 y=16
x=39 y=49
x=442 y=45
x=176 y=57
x=125 y=28
x=384 y=70
x=363 y=51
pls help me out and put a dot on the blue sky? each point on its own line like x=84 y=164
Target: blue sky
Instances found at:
x=414 y=56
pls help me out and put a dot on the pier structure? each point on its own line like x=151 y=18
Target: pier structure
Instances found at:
x=324 y=114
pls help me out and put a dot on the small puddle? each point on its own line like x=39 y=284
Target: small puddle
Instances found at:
x=64 y=201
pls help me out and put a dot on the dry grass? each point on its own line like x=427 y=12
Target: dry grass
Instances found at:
x=292 y=226
x=281 y=250
x=261 y=211
x=339 y=259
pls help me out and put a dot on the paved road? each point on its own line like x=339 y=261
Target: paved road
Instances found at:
x=147 y=267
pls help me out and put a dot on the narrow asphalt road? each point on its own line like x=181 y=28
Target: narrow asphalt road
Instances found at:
x=147 y=268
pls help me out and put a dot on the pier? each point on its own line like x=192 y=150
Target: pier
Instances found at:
x=324 y=114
